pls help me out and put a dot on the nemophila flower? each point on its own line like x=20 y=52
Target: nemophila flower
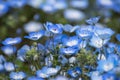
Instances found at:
x=17 y=75
x=1 y=68
x=72 y=60
x=105 y=65
x=35 y=35
x=59 y=5
x=93 y=20
x=35 y=3
x=76 y=15
x=33 y=27
x=9 y=66
x=61 y=78
x=69 y=50
x=54 y=28
x=82 y=4
x=71 y=41
x=82 y=44
x=104 y=33
x=105 y=3
x=35 y=78
x=95 y=75
x=97 y=42
x=2 y=59
x=3 y=8
x=118 y=37
x=70 y=28
x=12 y=41
x=45 y=72
x=8 y=50
x=17 y=3
x=74 y=72
x=109 y=76
x=84 y=33
x=21 y=53
x=62 y=59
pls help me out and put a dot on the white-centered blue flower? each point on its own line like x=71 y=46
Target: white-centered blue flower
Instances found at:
x=9 y=66
x=74 y=72
x=82 y=4
x=33 y=27
x=71 y=41
x=12 y=41
x=93 y=20
x=74 y=15
x=105 y=3
x=17 y=75
x=8 y=50
x=17 y=3
x=69 y=50
x=54 y=28
x=35 y=35
x=3 y=8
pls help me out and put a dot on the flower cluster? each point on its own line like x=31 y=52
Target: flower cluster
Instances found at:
x=66 y=53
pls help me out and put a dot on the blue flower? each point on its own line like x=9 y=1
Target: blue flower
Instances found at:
x=21 y=53
x=62 y=59
x=109 y=76
x=82 y=4
x=60 y=5
x=54 y=28
x=9 y=66
x=97 y=42
x=105 y=65
x=70 y=28
x=76 y=15
x=69 y=50
x=74 y=72
x=33 y=27
x=1 y=67
x=45 y=72
x=104 y=33
x=35 y=78
x=71 y=41
x=61 y=78
x=17 y=3
x=8 y=50
x=3 y=8
x=17 y=75
x=118 y=37
x=35 y=35
x=12 y=41
x=84 y=32
x=2 y=59
x=93 y=20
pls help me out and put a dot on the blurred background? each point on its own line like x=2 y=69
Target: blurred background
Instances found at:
x=18 y=17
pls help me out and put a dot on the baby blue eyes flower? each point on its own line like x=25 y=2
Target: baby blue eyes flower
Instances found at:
x=69 y=50
x=105 y=65
x=93 y=20
x=35 y=78
x=12 y=41
x=9 y=50
x=82 y=4
x=76 y=15
x=118 y=37
x=32 y=27
x=84 y=33
x=97 y=42
x=17 y=75
x=71 y=41
x=70 y=28
x=54 y=28
x=17 y=3
x=45 y=72
x=3 y=8
x=74 y=72
x=9 y=66
x=35 y=35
